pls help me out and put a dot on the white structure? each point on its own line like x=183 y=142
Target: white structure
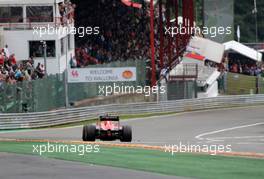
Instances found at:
x=206 y=79
x=243 y=50
x=211 y=50
x=22 y=20
x=207 y=82
x=192 y=65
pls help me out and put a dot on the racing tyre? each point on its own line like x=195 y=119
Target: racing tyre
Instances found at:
x=89 y=133
x=84 y=133
x=126 y=134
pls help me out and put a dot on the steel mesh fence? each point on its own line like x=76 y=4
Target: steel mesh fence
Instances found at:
x=49 y=93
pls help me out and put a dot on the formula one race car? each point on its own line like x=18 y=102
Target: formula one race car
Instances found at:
x=107 y=128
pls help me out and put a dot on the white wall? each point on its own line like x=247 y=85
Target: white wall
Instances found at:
x=55 y=66
x=1 y=37
x=212 y=91
x=29 y=1
x=18 y=42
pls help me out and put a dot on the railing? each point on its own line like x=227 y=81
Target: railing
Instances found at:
x=52 y=118
x=32 y=96
x=182 y=71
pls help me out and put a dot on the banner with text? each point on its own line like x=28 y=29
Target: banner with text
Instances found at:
x=114 y=74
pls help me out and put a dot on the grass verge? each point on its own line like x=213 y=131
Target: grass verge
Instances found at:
x=186 y=165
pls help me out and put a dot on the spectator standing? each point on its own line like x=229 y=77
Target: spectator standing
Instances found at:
x=18 y=75
x=73 y=62
x=40 y=70
x=2 y=60
x=12 y=59
x=6 y=51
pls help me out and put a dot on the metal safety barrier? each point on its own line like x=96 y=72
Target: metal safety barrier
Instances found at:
x=71 y=115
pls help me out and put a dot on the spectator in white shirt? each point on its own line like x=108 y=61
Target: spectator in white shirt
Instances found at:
x=6 y=51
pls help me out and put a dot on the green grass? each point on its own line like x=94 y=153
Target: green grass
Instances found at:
x=187 y=165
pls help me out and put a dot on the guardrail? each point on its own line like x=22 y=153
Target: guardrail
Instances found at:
x=64 y=116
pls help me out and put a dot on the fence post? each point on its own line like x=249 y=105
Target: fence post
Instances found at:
x=257 y=84
x=225 y=82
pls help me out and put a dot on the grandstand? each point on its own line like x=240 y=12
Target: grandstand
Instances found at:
x=123 y=34
x=243 y=59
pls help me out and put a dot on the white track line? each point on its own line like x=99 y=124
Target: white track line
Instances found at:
x=238 y=137
x=201 y=136
x=250 y=143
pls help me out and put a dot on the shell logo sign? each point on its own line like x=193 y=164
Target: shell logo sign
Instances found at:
x=105 y=74
x=127 y=74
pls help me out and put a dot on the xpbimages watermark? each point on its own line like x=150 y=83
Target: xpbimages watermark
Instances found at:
x=212 y=149
x=51 y=30
x=187 y=29
x=79 y=149
x=114 y=89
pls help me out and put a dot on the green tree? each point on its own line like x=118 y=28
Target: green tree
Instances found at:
x=245 y=18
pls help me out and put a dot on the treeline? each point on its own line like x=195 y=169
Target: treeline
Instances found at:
x=245 y=18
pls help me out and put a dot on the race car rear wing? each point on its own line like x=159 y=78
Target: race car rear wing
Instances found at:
x=109 y=118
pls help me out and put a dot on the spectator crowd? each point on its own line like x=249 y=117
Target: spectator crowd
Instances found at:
x=246 y=67
x=124 y=31
x=12 y=72
x=66 y=10
x=241 y=66
x=124 y=35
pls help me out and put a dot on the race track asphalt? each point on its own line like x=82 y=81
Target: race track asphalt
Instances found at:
x=241 y=128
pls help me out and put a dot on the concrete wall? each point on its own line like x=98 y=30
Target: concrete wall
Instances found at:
x=116 y=99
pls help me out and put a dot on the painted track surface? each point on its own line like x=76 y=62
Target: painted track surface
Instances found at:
x=242 y=128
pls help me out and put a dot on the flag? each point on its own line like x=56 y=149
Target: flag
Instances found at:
x=238 y=33
x=132 y=3
x=194 y=55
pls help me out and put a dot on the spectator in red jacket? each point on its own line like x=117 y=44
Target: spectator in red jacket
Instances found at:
x=12 y=59
x=2 y=60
